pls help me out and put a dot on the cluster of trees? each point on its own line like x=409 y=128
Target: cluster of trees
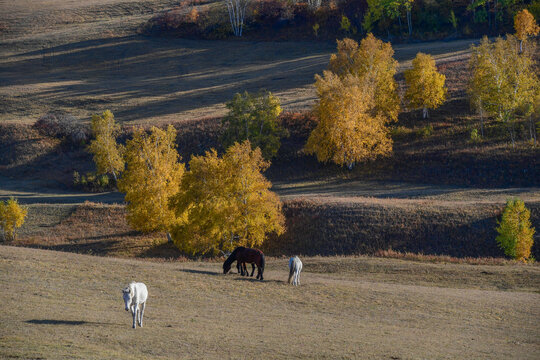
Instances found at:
x=216 y=204
x=389 y=18
x=358 y=99
x=504 y=81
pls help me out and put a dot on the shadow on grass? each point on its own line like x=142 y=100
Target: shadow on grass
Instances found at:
x=64 y=322
x=252 y=279
x=203 y=272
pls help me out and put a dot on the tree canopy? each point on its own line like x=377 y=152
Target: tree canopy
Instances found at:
x=224 y=202
x=107 y=153
x=153 y=174
x=254 y=118
x=348 y=130
x=426 y=88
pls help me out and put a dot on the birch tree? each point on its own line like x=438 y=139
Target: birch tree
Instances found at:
x=525 y=26
x=348 y=130
x=107 y=153
x=254 y=118
x=153 y=174
x=504 y=82
x=373 y=62
x=225 y=202
x=237 y=13
x=425 y=84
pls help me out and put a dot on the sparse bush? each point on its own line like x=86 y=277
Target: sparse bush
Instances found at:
x=515 y=231
x=425 y=132
x=12 y=216
x=62 y=126
x=474 y=136
x=93 y=182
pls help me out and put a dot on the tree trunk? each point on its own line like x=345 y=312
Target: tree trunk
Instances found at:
x=425 y=114
x=409 y=22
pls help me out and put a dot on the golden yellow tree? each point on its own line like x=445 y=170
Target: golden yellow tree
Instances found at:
x=372 y=62
x=107 y=153
x=516 y=234
x=504 y=82
x=348 y=130
x=426 y=88
x=153 y=173
x=525 y=26
x=12 y=216
x=225 y=202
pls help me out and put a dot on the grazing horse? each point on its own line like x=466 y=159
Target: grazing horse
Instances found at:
x=295 y=266
x=135 y=294
x=244 y=255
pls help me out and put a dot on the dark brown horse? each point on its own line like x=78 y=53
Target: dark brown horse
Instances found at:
x=243 y=255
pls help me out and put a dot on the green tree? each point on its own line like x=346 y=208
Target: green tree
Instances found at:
x=254 y=118
x=153 y=174
x=225 y=202
x=107 y=153
x=12 y=216
x=504 y=81
x=426 y=88
x=515 y=231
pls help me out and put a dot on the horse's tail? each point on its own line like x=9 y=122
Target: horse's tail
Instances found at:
x=291 y=270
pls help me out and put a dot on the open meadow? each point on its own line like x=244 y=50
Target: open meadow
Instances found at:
x=59 y=305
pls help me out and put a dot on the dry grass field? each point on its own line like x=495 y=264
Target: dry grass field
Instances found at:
x=60 y=305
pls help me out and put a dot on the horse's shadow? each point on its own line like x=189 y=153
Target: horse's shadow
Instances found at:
x=204 y=272
x=65 y=322
x=252 y=279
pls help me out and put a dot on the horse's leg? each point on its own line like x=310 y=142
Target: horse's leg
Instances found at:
x=252 y=269
x=245 y=269
x=136 y=307
x=141 y=313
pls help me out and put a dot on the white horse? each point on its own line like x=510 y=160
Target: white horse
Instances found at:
x=135 y=294
x=295 y=266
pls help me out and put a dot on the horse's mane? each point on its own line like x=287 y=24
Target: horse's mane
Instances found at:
x=233 y=255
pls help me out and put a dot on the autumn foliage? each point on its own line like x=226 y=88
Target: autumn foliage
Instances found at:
x=372 y=62
x=426 y=88
x=357 y=100
x=12 y=216
x=504 y=82
x=107 y=153
x=347 y=132
x=153 y=174
x=515 y=231
x=224 y=202
x=525 y=26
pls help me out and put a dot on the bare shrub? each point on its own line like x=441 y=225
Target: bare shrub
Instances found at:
x=62 y=126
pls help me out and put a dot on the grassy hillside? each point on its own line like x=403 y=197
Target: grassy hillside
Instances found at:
x=335 y=226
x=69 y=306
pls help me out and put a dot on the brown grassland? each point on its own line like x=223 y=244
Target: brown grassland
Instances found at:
x=61 y=305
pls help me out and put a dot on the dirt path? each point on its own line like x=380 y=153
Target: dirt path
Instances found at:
x=84 y=57
x=69 y=306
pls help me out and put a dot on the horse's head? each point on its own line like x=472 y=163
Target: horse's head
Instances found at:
x=128 y=296
x=226 y=267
